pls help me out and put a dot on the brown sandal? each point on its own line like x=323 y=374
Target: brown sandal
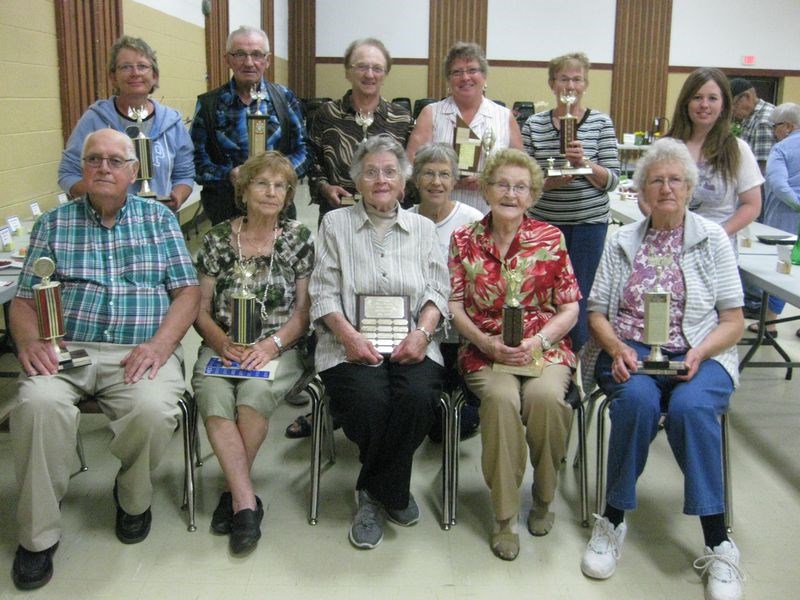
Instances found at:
x=753 y=328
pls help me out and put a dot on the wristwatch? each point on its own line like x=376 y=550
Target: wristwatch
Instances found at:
x=428 y=335
x=278 y=344
x=546 y=343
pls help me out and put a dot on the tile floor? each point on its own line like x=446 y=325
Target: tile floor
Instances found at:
x=295 y=560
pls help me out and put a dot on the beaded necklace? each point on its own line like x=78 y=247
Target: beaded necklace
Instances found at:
x=247 y=266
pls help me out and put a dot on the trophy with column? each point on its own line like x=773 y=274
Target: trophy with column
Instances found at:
x=513 y=327
x=144 y=152
x=50 y=317
x=656 y=326
x=567 y=135
x=257 y=123
x=245 y=317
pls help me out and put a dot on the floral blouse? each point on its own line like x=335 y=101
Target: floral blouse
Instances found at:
x=477 y=282
x=294 y=260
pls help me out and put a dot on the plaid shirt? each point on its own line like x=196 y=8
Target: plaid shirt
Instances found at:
x=757 y=130
x=114 y=281
x=230 y=129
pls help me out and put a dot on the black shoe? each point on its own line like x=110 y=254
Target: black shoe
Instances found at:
x=223 y=515
x=246 y=529
x=32 y=569
x=131 y=529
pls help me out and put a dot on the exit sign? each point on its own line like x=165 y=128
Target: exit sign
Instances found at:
x=748 y=59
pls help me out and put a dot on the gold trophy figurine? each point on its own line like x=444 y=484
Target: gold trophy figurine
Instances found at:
x=257 y=123
x=144 y=152
x=245 y=322
x=50 y=317
x=488 y=142
x=569 y=127
x=513 y=324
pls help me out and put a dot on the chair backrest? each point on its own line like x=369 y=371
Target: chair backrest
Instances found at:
x=403 y=101
x=421 y=103
x=311 y=105
x=500 y=102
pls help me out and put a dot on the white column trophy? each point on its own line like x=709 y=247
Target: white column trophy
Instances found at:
x=567 y=134
x=656 y=326
x=144 y=152
x=245 y=320
x=257 y=123
x=50 y=317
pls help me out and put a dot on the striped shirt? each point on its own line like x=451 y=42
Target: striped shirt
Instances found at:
x=711 y=280
x=333 y=135
x=115 y=282
x=578 y=201
x=350 y=261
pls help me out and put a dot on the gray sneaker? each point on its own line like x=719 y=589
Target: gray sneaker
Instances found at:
x=367 y=528
x=405 y=516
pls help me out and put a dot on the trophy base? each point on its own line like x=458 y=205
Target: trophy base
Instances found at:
x=71 y=359
x=532 y=369
x=661 y=367
x=564 y=171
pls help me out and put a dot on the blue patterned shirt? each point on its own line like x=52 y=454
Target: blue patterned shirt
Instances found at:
x=230 y=129
x=115 y=282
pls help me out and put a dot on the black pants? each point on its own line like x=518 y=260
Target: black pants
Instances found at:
x=387 y=411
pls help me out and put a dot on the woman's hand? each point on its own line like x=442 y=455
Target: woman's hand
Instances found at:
x=258 y=355
x=624 y=363
x=360 y=350
x=520 y=355
x=574 y=154
x=230 y=352
x=693 y=360
x=411 y=350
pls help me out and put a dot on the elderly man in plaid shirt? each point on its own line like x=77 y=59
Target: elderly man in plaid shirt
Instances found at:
x=129 y=294
x=753 y=114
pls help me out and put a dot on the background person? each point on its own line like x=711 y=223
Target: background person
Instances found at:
x=480 y=253
x=133 y=71
x=577 y=205
x=698 y=266
x=467 y=70
x=279 y=253
x=385 y=404
x=753 y=114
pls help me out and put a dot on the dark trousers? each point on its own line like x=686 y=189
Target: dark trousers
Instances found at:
x=387 y=411
x=218 y=202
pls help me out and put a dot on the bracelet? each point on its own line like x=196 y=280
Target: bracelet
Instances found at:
x=546 y=343
x=278 y=344
x=428 y=335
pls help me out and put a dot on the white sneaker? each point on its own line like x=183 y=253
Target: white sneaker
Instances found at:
x=604 y=549
x=719 y=568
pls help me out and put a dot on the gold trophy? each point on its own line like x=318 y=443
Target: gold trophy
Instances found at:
x=245 y=322
x=364 y=121
x=513 y=325
x=656 y=326
x=569 y=127
x=144 y=152
x=50 y=317
x=257 y=123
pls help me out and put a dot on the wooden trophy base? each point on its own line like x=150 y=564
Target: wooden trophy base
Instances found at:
x=532 y=369
x=71 y=359
x=661 y=367
x=568 y=170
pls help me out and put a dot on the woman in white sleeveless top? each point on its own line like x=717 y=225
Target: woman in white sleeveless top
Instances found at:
x=466 y=69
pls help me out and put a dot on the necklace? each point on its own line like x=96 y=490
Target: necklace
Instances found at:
x=242 y=267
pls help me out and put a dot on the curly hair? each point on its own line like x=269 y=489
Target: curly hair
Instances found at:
x=272 y=161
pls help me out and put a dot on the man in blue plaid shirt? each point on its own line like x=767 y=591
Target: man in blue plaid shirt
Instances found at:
x=129 y=293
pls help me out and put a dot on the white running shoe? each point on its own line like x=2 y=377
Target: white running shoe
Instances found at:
x=719 y=569
x=604 y=549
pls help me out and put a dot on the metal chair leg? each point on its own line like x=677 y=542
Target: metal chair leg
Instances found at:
x=581 y=416
x=726 y=473
x=601 y=456
x=316 y=392
x=188 y=463
x=81 y=454
x=447 y=461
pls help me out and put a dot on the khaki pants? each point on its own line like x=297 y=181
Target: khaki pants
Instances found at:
x=543 y=428
x=44 y=425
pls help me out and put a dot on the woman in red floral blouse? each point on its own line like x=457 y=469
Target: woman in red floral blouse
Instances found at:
x=506 y=245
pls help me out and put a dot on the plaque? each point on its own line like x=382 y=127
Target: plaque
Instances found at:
x=383 y=320
x=257 y=123
x=567 y=135
x=468 y=149
x=144 y=152
x=50 y=317
x=656 y=327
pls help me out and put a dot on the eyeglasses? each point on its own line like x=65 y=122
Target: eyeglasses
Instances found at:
x=364 y=69
x=139 y=68
x=114 y=162
x=444 y=176
x=261 y=185
x=567 y=80
x=672 y=182
x=461 y=72
x=776 y=125
x=507 y=188
x=389 y=173
x=241 y=56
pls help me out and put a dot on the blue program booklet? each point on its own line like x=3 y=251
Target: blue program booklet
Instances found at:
x=215 y=368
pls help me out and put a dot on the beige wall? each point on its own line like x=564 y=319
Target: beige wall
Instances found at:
x=30 y=130
x=281 y=70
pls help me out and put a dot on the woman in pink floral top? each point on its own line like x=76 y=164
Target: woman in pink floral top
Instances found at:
x=481 y=256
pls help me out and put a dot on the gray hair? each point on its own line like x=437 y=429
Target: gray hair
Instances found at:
x=375 y=145
x=465 y=51
x=666 y=150
x=434 y=152
x=130 y=151
x=788 y=112
x=137 y=45
x=247 y=30
x=370 y=41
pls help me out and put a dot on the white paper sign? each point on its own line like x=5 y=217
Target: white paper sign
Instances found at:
x=5 y=239
x=62 y=198
x=37 y=212
x=14 y=225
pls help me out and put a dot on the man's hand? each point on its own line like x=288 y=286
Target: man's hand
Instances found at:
x=333 y=194
x=37 y=357
x=146 y=356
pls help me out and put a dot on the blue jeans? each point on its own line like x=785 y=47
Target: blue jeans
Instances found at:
x=585 y=246
x=692 y=424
